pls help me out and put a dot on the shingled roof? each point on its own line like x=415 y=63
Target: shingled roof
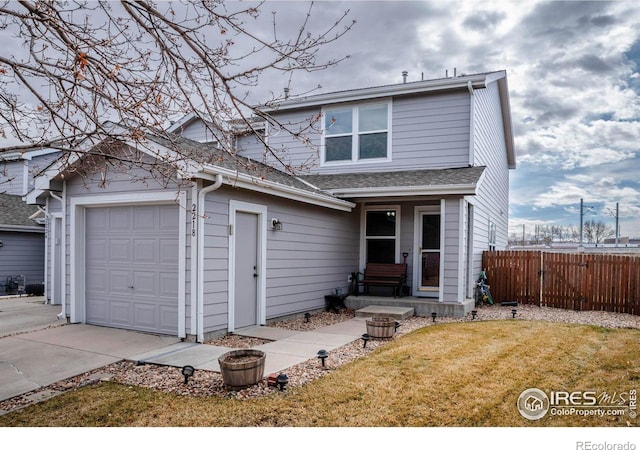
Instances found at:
x=428 y=180
x=15 y=213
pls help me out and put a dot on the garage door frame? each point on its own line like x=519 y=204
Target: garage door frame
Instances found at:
x=78 y=206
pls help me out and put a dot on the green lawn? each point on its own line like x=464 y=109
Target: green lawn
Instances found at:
x=467 y=374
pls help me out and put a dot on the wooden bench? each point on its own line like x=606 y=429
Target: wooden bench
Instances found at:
x=387 y=275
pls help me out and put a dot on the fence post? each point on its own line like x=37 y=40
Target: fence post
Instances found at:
x=541 y=277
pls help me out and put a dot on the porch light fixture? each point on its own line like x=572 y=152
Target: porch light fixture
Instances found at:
x=433 y=316
x=365 y=339
x=276 y=225
x=514 y=312
x=282 y=380
x=307 y=316
x=474 y=313
x=187 y=371
x=322 y=355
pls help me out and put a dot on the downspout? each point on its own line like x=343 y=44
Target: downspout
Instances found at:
x=200 y=249
x=471 y=125
x=63 y=300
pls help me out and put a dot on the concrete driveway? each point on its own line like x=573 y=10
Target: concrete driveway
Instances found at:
x=34 y=359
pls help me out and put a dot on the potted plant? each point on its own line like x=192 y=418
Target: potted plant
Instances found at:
x=242 y=368
x=381 y=327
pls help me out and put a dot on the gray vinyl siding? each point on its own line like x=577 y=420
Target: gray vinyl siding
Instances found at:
x=197 y=131
x=37 y=165
x=313 y=255
x=21 y=253
x=427 y=131
x=453 y=223
x=491 y=204
x=12 y=175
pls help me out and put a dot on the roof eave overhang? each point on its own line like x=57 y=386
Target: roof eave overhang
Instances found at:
x=22 y=228
x=461 y=82
x=245 y=181
x=406 y=191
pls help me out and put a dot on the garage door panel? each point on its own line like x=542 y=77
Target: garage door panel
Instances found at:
x=132 y=267
x=145 y=316
x=168 y=284
x=120 y=219
x=145 y=218
x=168 y=251
x=118 y=282
x=145 y=251
x=99 y=249
x=96 y=280
x=145 y=283
x=168 y=316
x=120 y=250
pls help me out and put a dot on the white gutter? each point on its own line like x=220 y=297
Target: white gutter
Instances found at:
x=200 y=249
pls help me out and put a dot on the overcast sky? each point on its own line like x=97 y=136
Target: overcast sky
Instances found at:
x=573 y=76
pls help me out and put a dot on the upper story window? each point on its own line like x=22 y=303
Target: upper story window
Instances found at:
x=357 y=133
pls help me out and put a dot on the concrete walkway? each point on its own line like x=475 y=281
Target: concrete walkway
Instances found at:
x=43 y=353
x=287 y=349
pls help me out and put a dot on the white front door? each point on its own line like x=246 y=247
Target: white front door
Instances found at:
x=246 y=270
x=247 y=264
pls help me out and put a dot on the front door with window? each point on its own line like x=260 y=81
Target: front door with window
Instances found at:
x=427 y=283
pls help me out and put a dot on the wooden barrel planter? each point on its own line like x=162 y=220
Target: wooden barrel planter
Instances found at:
x=381 y=327
x=242 y=368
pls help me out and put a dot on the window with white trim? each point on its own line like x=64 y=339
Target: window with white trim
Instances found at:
x=357 y=133
x=381 y=234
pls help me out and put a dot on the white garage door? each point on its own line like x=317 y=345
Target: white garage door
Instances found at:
x=132 y=267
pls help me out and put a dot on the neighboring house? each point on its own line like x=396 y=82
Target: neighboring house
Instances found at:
x=22 y=230
x=21 y=245
x=415 y=172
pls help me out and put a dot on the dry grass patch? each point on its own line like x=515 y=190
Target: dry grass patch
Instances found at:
x=456 y=374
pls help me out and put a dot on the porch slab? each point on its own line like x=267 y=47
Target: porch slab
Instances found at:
x=396 y=312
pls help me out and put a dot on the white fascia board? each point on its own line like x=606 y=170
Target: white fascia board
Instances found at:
x=28 y=154
x=244 y=181
x=404 y=191
x=460 y=82
x=184 y=166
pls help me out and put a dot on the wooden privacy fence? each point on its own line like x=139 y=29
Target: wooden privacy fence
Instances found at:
x=578 y=281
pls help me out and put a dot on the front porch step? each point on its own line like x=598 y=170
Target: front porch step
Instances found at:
x=394 y=312
x=422 y=307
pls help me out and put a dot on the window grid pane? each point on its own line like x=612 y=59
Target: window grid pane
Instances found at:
x=338 y=148
x=373 y=146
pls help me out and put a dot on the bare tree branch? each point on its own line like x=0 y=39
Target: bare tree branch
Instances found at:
x=69 y=68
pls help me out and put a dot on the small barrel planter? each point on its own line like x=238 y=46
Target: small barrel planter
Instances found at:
x=242 y=368
x=381 y=327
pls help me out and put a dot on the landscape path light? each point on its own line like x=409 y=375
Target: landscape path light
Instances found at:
x=282 y=380
x=322 y=355
x=187 y=371
x=365 y=339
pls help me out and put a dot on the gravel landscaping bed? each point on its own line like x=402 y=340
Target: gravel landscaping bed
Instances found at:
x=207 y=384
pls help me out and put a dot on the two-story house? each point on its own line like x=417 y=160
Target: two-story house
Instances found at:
x=414 y=172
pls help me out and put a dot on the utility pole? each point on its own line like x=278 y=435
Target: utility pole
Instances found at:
x=581 y=219
x=617 y=216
